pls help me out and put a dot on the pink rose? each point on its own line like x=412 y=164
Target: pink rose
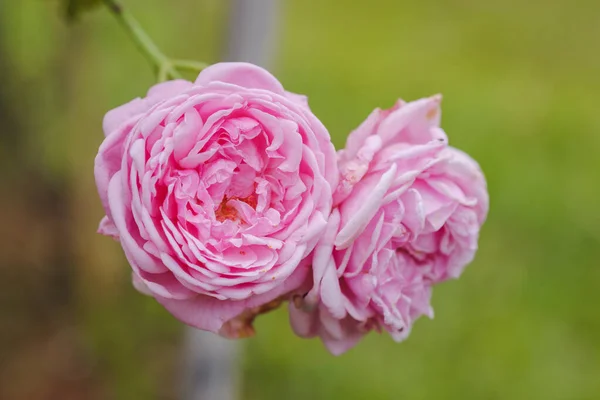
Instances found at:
x=217 y=190
x=409 y=210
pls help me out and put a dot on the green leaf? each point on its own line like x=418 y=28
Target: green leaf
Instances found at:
x=74 y=8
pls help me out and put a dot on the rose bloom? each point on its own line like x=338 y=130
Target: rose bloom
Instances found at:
x=217 y=190
x=409 y=210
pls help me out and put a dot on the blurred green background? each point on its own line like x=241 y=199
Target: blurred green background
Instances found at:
x=520 y=82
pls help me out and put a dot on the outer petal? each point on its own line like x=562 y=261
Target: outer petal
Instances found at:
x=129 y=238
x=107 y=228
x=139 y=285
x=299 y=99
x=304 y=323
x=118 y=116
x=322 y=258
x=203 y=312
x=467 y=171
x=165 y=90
x=108 y=162
x=338 y=335
x=352 y=171
x=361 y=216
x=241 y=74
x=413 y=123
x=356 y=138
x=338 y=346
x=208 y=313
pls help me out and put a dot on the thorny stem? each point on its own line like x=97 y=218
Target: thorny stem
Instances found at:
x=165 y=67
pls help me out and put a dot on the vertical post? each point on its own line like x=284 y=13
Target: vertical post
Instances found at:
x=211 y=367
x=253 y=31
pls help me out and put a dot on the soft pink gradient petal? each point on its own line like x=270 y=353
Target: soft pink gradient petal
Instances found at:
x=107 y=228
x=203 y=312
x=108 y=162
x=116 y=117
x=165 y=90
x=120 y=115
x=241 y=74
x=323 y=265
x=299 y=99
x=360 y=216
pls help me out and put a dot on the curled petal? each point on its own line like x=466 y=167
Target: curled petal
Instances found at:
x=241 y=74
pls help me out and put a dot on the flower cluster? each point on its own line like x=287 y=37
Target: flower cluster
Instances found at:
x=228 y=198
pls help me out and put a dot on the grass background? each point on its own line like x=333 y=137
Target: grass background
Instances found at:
x=520 y=82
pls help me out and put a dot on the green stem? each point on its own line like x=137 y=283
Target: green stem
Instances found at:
x=163 y=72
x=189 y=65
x=157 y=58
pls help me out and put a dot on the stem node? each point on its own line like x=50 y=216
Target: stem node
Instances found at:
x=163 y=65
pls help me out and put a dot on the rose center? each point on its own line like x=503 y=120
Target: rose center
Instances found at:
x=227 y=211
